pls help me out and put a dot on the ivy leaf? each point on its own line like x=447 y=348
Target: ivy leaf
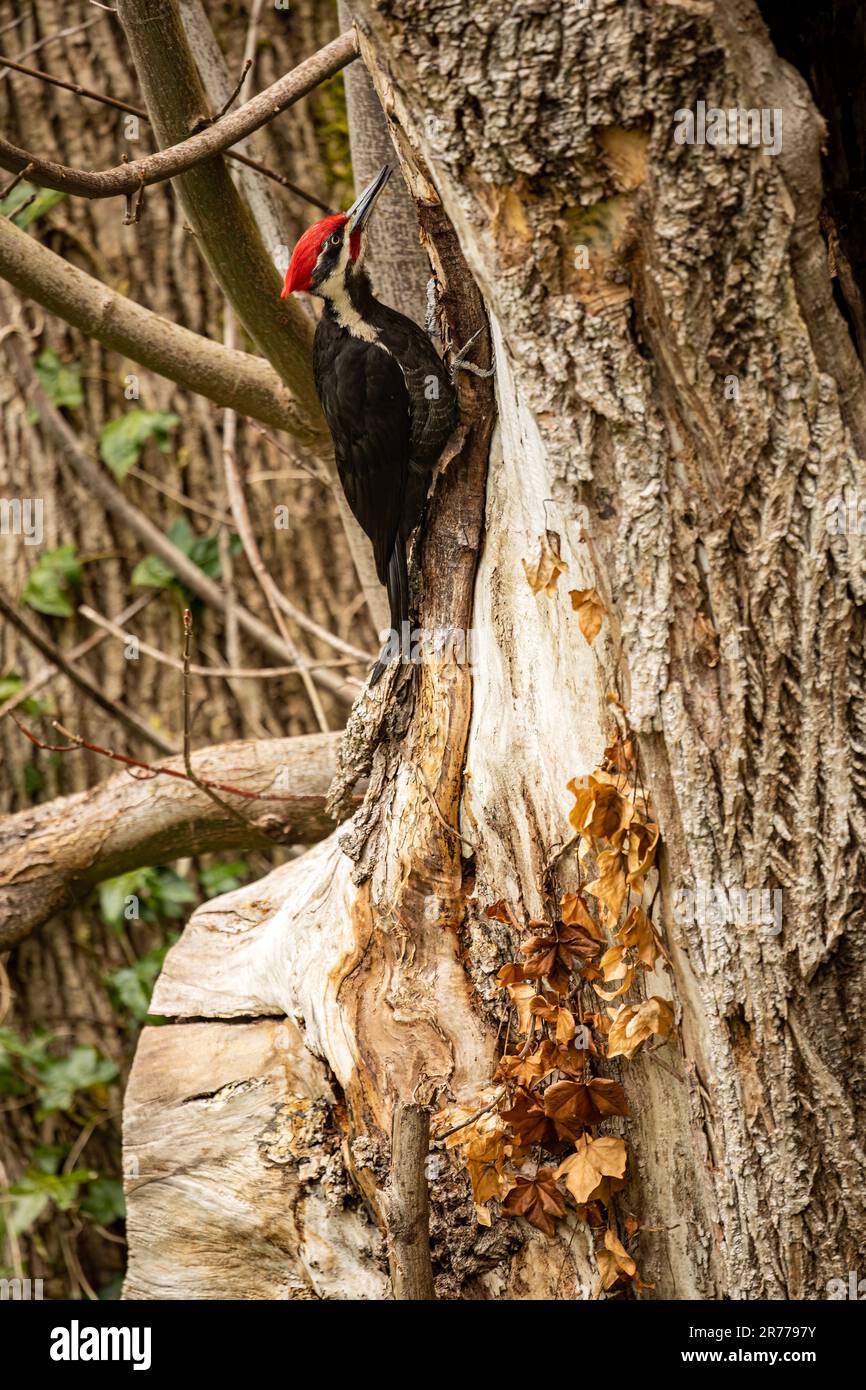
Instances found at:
x=61 y=381
x=154 y=573
x=121 y=441
x=544 y=572
x=592 y=1160
x=51 y=581
x=538 y=1199
x=10 y=685
x=45 y=200
x=223 y=878
x=590 y=611
x=634 y=1023
x=62 y=1077
x=104 y=1201
x=36 y=1189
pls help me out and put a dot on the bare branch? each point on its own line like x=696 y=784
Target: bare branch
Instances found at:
x=105 y=100
x=54 y=853
x=84 y=683
x=246 y=383
x=179 y=158
x=102 y=486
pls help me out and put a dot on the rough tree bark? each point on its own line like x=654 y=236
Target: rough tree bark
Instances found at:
x=57 y=976
x=733 y=637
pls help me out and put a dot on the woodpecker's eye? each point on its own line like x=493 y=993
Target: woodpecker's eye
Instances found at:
x=336 y=240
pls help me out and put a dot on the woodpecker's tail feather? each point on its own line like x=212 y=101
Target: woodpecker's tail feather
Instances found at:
x=398 y=599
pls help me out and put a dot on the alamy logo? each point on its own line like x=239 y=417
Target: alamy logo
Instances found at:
x=22 y=516
x=718 y=906
x=713 y=126
x=20 y=1290
x=852 y=1288
x=77 y=1343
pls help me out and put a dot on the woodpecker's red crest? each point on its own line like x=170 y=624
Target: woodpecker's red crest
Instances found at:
x=310 y=247
x=328 y=236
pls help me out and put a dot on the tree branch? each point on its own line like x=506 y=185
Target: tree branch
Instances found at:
x=54 y=853
x=186 y=154
x=89 y=95
x=88 y=687
x=406 y=1204
x=111 y=496
x=228 y=377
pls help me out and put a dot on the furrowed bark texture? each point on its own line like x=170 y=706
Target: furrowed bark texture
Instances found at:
x=679 y=399
x=58 y=973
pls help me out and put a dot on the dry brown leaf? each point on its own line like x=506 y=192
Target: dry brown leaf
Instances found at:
x=592 y=1160
x=614 y=1261
x=590 y=611
x=634 y=1023
x=575 y=913
x=570 y=1103
x=610 y=887
x=638 y=934
x=544 y=572
x=538 y=1199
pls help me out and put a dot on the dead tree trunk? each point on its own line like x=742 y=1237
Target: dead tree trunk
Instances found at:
x=679 y=400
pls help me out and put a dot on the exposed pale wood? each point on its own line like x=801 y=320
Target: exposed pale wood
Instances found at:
x=233 y=1171
x=733 y=635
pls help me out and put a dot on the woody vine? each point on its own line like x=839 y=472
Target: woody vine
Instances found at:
x=540 y=1144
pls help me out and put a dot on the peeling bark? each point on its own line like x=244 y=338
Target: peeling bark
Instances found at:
x=733 y=635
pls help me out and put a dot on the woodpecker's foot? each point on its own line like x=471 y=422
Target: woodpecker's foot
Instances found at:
x=459 y=363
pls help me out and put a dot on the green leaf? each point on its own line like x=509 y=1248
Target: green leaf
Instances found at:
x=45 y=200
x=160 y=892
x=121 y=441
x=62 y=1077
x=172 y=894
x=114 y=892
x=223 y=878
x=104 y=1201
x=10 y=685
x=61 y=381
x=154 y=573
x=37 y=1188
x=51 y=581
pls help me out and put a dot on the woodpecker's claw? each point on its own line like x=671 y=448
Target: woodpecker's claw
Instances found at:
x=459 y=363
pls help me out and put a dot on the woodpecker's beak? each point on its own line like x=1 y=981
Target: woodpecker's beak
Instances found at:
x=359 y=213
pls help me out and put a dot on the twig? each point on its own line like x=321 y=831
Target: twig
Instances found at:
x=472 y=1118
x=84 y=683
x=89 y=95
x=53 y=38
x=180 y=497
x=13 y=184
x=187 y=728
x=236 y=93
x=239 y=673
x=48 y=672
x=317 y=475
x=26 y=204
x=205 y=144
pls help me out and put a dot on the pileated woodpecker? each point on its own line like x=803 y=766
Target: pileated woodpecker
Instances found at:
x=386 y=394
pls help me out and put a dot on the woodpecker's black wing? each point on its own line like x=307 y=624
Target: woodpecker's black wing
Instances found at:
x=366 y=405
